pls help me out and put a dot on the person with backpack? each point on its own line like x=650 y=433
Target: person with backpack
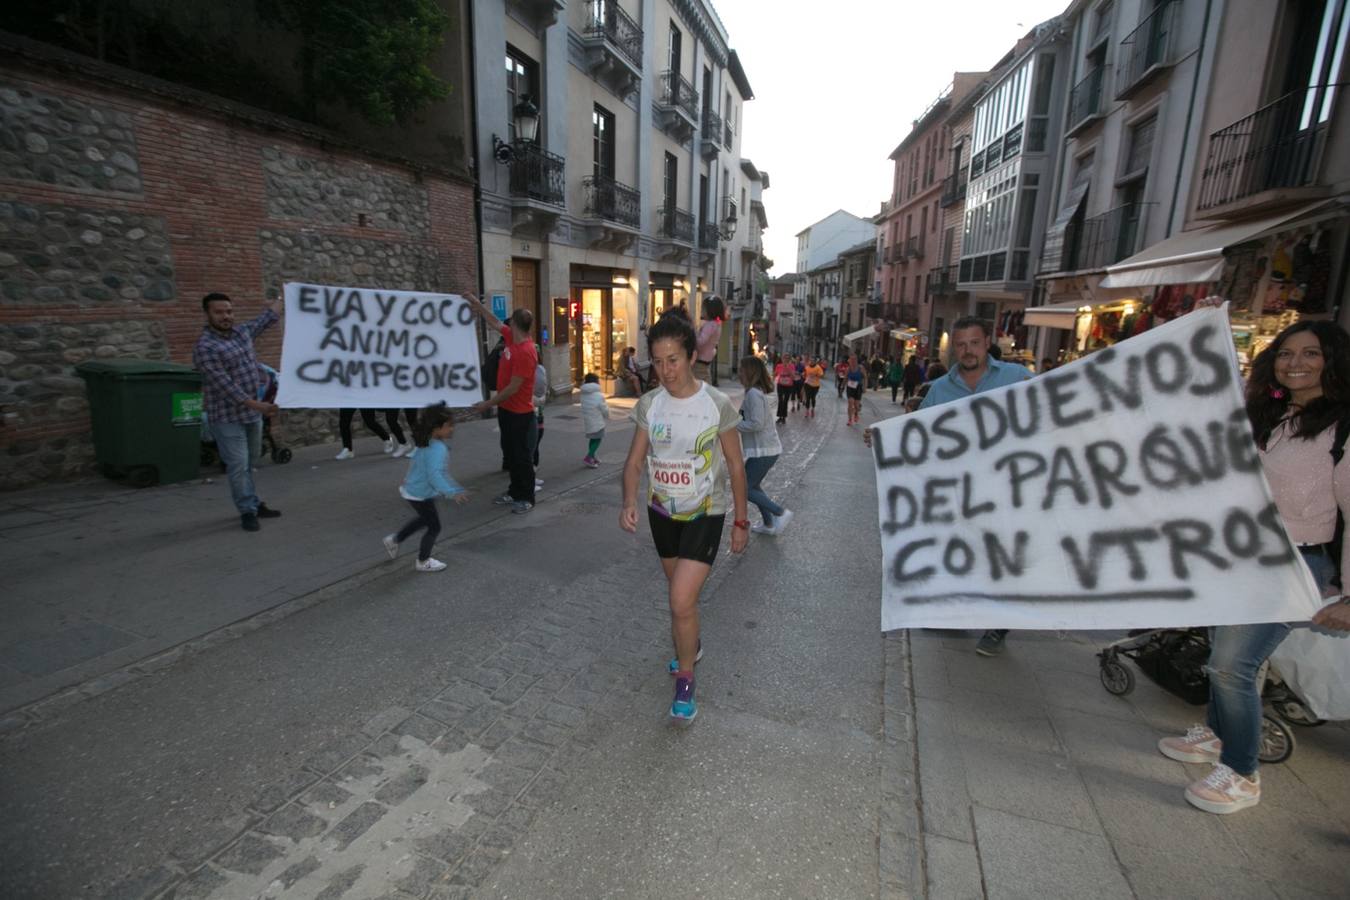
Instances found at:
x=1298 y=405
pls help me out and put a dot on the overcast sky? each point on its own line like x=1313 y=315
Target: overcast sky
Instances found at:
x=838 y=84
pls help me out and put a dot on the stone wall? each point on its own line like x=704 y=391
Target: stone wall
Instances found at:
x=48 y=138
x=122 y=207
x=72 y=255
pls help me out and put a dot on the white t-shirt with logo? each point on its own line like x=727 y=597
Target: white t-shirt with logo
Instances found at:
x=685 y=468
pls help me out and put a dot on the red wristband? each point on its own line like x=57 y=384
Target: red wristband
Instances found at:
x=740 y=523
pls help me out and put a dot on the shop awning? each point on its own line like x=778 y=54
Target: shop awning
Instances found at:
x=1194 y=256
x=904 y=333
x=1054 y=315
x=854 y=336
x=1053 y=250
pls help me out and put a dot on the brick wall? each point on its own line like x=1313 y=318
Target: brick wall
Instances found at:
x=120 y=208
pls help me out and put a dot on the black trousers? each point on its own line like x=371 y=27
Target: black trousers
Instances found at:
x=426 y=518
x=391 y=418
x=368 y=416
x=538 y=434
x=520 y=433
x=811 y=395
x=784 y=394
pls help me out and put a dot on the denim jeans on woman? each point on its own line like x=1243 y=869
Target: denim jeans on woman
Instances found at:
x=1235 y=656
x=238 y=445
x=756 y=467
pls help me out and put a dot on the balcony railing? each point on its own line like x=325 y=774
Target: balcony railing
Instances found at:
x=954 y=188
x=677 y=224
x=1085 y=101
x=605 y=18
x=708 y=236
x=1102 y=240
x=942 y=281
x=914 y=247
x=537 y=174
x=1278 y=146
x=608 y=199
x=1146 y=48
x=678 y=93
x=726 y=134
x=896 y=253
x=712 y=127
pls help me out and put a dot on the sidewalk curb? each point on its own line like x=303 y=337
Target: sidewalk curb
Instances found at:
x=900 y=852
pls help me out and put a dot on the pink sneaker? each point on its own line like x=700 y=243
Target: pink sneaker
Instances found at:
x=1224 y=791
x=1199 y=745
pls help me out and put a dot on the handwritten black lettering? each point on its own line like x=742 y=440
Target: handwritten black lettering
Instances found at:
x=1109 y=392
x=1168 y=368
x=1064 y=474
x=1058 y=393
x=1215 y=361
x=386 y=305
x=1017 y=474
x=1032 y=423
x=1190 y=537
x=1242 y=452
x=309 y=299
x=1107 y=476
x=935 y=502
x=971 y=510
x=958 y=559
x=990 y=422
x=895 y=495
x=960 y=443
x=1162 y=462
x=1088 y=567
x=913 y=456
x=999 y=560
x=1269 y=518
x=902 y=575
x=1212 y=464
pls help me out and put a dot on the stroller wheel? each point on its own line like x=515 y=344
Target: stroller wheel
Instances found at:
x=281 y=455
x=1115 y=677
x=1277 y=741
x=1295 y=713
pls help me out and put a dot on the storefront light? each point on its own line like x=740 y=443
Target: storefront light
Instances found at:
x=621 y=280
x=1084 y=309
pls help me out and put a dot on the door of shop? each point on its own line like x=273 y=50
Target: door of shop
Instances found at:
x=525 y=290
x=592 y=337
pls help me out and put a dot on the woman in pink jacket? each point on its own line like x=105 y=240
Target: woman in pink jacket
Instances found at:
x=1298 y=392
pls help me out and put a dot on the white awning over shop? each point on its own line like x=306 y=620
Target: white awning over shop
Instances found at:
x=854 y=336
x=1055 y=315
x=1195 y=256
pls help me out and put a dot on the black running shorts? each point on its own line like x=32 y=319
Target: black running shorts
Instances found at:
x=696 y=539
x=855 y=393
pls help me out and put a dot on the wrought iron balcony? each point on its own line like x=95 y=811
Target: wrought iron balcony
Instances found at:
x=727 y=134
x=608 y=199
x=914 y=247
x=954 y=188
x=708 y=236
x=606 y=19
x=1278 y=146
x=1146 y=49
x=1085 y=101
x=677 y=224
x=537 y=174
x=678 y=93
x=712 y=128
x=942 y=281
x=1102 y=240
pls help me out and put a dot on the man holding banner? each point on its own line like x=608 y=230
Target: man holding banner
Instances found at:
x=976 y=371
x=514 y=399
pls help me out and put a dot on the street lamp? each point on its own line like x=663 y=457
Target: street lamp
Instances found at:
x=526 y=116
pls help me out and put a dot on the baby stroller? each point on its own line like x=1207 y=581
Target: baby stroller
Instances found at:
x=267 y=392
x=1174 y=659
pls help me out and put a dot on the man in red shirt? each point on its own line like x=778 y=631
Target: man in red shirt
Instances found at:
x=514 y=399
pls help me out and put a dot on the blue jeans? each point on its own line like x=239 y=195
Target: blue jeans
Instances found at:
x=1235 y=656
x=756 y=467
x=238 y=445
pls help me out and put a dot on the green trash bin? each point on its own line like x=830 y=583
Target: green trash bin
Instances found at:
x=147 y=419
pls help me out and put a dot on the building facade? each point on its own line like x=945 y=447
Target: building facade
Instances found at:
x=1122 y=179
x=820 y=244
x=630 y=198
x=1015 y=135
x=912 y=224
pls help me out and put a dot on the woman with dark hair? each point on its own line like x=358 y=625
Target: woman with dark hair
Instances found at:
x=686 y=440
x=709 y=333
x=1298 y=393
x=759 y=444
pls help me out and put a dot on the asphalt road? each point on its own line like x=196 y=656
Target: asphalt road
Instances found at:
x=499 y=728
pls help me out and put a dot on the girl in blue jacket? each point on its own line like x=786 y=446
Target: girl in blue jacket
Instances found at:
x=428 y=478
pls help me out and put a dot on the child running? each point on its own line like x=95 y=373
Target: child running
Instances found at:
x=594 y=415
x=428 y=478
x=686 y=439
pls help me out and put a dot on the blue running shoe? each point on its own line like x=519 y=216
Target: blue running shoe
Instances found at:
x=683 y=706
x=674 y=665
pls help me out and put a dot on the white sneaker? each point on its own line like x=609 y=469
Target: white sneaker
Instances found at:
x=1224 y=791
x=782 y=521
x=538 y=483
x=430 y=564
x=1198 y=745
x=412 y=452
x=761 y=528
x=391 y=545
x=389 y=446
x=345 y=454
x=402 y=450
